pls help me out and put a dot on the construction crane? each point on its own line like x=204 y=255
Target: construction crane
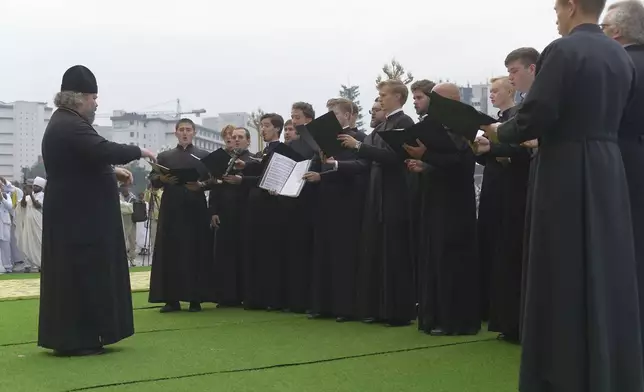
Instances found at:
x=176 y=113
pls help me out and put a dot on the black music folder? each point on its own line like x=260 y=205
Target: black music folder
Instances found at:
x=183 y=175
x=429 y=131
x=325 y=130
x=216 y=162
x=461 y=118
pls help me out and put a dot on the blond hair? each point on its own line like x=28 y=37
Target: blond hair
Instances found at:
x=345 y=105
x=396 y=87
x=227 y=131
x=505 y=82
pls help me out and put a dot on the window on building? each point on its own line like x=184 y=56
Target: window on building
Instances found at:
x=131 y=134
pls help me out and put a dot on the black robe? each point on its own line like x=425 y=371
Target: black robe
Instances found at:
x=297 y=240
x=337 y=219
x=182 y=264
x=631 y=143
x=448 y=269
x=263 y=240
x=229 y=202
x=500 y=231
x=581 y=331
x=385 y=284
x=85 y=298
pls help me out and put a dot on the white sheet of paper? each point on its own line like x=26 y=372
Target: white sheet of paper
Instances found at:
x=479 y=133
x=277 y=173
x=295 y=181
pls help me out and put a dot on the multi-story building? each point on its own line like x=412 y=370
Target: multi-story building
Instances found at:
x=22 y=125
x=154 y=133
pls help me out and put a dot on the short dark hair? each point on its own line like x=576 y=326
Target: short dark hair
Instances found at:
x=276 y=120
x=185 y=121
x=423 y=85
x=288 y=122
x=245 y=130
x=306 y=108
x=590 y=7
x=526 y=56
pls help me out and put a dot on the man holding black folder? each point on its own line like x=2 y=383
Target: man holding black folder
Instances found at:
x=182 y=259
x=385 y=287
x=448 y=273
x=338 y=213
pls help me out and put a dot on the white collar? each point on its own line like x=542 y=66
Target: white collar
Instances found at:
x=394 y=112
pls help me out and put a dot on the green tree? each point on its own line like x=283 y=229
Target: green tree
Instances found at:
x=36 y=170
x=254 y=122
x=395 y=70
x=352 y=93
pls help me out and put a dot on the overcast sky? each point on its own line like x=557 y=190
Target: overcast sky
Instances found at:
x=242 y=54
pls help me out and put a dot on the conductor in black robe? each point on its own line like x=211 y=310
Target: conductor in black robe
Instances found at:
x=385 y=286
x=582 y=329
x=264 y=228
x=448 y=269
x=501 y=219
x=629 y=32
x=85 y=298
x=182 y=263
x=227 y=202
x=337 y=219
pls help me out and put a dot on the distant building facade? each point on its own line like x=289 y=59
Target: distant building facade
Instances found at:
x=238 y=119
x=22 y=125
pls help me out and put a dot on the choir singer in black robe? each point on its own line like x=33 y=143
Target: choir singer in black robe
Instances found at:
x=448 y=269
x=501 y=219
x=85 y=299
x=385 y=286
x=338 y=213
x=581 y=330
x=624 y=23
x=182 y=260
x=264 y=228
x=227 y=204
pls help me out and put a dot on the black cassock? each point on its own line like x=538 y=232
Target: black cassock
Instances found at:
x=229 y=202
x=182 y=263
x=337 y=219
x=581 y=330
x=631 y=142
x=448 y=269
x=500 y=231
x=297 y=239
x=85 y=298
x=264 y=241
x=385 y=284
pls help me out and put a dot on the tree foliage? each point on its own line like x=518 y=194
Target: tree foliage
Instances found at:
x=395 y=70
x=139 y=177
x=352 y=93
x=254 y=122
x=36 y=170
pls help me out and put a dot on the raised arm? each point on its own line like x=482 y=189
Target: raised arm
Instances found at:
x=84 y=140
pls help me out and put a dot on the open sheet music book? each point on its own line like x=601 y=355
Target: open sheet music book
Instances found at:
x=284 y=175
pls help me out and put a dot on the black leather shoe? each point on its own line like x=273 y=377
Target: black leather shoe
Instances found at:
x=438 y=332
x=170 y=307
x=342 y=319
x=370 y=320
x=194 y=307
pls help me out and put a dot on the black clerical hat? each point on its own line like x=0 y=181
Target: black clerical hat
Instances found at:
x=79 y=79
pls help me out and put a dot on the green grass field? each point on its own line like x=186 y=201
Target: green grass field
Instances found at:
x=237 y=350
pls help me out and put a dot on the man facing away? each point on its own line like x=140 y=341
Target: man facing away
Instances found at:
x=581 y=330
x=624 y=22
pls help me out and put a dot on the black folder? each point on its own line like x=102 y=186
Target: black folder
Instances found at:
x=429 y=131
x=325 y=130
x=307 y=138
x=461 y=118
x=217 y=162
x=183 y=175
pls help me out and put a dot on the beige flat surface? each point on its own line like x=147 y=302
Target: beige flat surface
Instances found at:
x=26 y=288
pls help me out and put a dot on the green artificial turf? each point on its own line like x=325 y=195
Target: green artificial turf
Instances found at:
x=237 y=350
x=37 y=275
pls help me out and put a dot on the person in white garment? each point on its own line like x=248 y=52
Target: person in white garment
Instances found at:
x=16 y=192
x=6 y=209
x=28 y=221
x=129 y=227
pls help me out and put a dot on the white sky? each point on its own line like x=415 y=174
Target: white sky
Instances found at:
x=237 y=55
